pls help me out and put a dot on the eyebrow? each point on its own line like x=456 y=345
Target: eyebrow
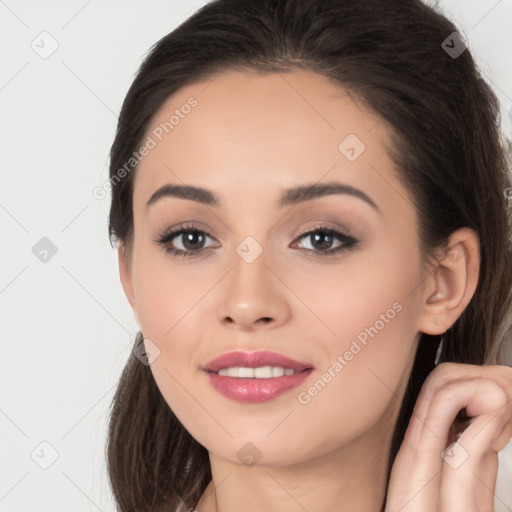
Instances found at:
x=291 y=196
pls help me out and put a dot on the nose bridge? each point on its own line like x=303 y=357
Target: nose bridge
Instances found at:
x=257 y=244
x=250 y=261
x=251 y=240
x=252 y=292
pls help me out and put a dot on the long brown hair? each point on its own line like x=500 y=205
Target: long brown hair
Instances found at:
x=447 y=148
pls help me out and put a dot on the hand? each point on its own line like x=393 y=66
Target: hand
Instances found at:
x=430 y=474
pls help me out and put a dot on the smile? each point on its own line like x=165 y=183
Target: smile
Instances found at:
x=262 y=372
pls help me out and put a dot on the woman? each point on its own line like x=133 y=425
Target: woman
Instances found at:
x=309 y=199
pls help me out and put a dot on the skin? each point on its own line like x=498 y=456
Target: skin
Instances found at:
x=249 y=137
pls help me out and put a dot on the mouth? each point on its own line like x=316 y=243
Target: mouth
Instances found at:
x=256 y=376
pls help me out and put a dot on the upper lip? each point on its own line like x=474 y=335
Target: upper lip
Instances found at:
x=254 y=360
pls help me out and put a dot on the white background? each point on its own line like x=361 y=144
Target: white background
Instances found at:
x=66 y=327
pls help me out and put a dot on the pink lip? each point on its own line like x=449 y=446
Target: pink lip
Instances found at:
x=254 y=360
x=253 y=390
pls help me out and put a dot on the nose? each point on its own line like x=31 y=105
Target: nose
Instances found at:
x=252 y=296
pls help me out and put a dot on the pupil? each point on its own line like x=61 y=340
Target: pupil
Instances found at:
x=191 y=237
x=327 y=239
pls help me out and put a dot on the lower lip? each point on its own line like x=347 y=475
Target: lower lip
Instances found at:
x=253 y=390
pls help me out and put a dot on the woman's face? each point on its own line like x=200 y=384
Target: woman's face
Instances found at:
x=257 y=281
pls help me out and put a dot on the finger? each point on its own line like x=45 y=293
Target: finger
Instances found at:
x=429 y=435
x=505 y=434
x=499 y=403
x=447 y=376
x=446 y=391
x=436 y=380
x=470 y=468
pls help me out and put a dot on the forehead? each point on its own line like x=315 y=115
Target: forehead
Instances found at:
x=248 y=129
x=242 y=103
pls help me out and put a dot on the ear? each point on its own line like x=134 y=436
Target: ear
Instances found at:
x=125 y=274
x=451 y=283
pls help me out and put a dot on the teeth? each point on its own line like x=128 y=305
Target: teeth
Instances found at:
x=262 y=372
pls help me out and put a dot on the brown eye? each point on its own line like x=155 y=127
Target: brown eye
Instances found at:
x=323 y=237
x=191 y=239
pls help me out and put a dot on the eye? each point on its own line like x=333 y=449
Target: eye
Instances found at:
x=322 y=237
x=192 y=240
x=191 y=237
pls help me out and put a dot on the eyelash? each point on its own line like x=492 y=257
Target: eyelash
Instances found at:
x=348 y=241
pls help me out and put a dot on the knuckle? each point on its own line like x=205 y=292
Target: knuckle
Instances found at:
x=445 y=394
x=500 y=398
x=442 y=373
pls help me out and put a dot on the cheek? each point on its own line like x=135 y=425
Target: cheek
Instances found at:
x=367 y=293
x=168 y=296
x=171 y=314
x=365 y=372
x=369 y=318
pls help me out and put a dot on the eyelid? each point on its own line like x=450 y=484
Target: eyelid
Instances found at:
x=325 y=224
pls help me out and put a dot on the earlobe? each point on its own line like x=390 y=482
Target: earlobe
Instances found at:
x=451 y=283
